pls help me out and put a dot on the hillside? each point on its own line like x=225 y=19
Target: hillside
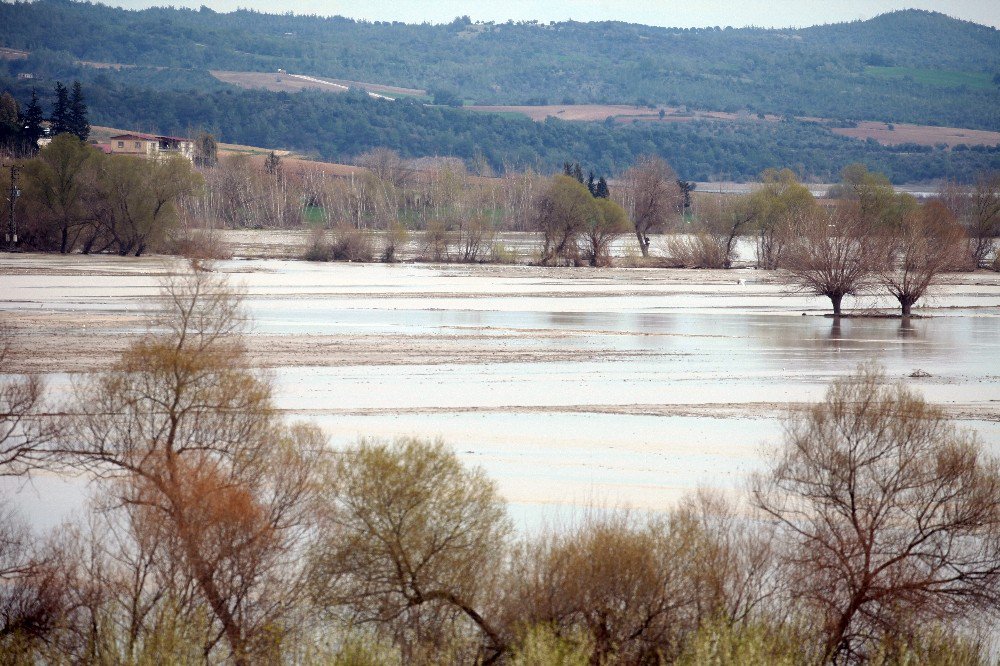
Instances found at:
x=726 y=96
x=910 y=66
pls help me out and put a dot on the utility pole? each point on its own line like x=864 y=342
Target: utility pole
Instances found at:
x=11 y=235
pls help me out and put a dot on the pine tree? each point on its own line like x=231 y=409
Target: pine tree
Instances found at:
x=32 y=122
x=602 y=191
x=591 y=185
x=272 y=164
x=578 y=173
x=60 y=110
x=567 y=169
x=77 y=115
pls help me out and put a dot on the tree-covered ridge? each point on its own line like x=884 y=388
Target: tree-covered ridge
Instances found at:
x=341 y=127
x=820 y=71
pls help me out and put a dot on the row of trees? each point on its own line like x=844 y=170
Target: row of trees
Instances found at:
x=75 y=197
x=21 y=130
x=221 y=534
x=864 y=237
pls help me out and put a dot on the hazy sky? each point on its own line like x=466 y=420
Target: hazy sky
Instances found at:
x=672 y=13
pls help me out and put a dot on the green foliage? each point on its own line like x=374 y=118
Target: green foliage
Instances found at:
x=543 y=646
x=774 y=71
x=934 y=77
x=720 y=643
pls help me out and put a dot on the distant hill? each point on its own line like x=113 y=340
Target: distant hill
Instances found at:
x=734 y=102
x=907 y=66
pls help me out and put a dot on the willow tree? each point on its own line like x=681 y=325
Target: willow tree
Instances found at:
x=835 y=254
x=410 y=542
x=926 y=243
x=651 y=196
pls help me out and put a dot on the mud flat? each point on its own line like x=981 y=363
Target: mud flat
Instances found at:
x=571 y=387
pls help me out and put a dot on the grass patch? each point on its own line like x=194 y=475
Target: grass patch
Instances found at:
x=934 y=77
x=509 y=115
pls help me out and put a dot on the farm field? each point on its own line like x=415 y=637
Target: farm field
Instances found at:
x=903 y=133
x=924 y=135
x=934 y=77
x=571 y=387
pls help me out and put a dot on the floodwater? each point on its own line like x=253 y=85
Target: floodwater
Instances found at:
x=570 y=387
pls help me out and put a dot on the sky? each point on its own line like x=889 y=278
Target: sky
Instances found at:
x=669 y=13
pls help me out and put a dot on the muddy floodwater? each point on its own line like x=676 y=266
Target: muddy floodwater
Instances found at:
x=570 y=387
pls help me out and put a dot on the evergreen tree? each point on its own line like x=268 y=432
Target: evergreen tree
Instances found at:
x=32 y=122
x=78 y=123
x=578 y=173
x=602 y=191
x=567 y=169
x=60 y=110
x=686 y=189
x=206 y=150
x=591 y=185
x=272 y=164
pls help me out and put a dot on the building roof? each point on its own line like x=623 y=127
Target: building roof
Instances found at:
x=148 y=137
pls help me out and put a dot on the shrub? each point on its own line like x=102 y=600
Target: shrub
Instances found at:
x=701 y=250
x=350 y=244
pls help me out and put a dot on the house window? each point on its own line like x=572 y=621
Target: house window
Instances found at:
x=121 y=144
x=138 y=144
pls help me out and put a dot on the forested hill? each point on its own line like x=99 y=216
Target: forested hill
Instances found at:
x=908 y=66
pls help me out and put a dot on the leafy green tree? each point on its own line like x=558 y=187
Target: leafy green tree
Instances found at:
x=778 y=207
x=606 y=222
x=561 y=214
x=9 y=118
x=446 y=97
x=409 y=540
x=876 y=200
x=56 y=186
x=135 y=200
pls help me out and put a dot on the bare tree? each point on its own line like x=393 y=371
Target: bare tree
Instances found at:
x=927 y=243
x=410 y=540
x=186 y=439
x=890 y=514
x=978 y=210
x=617 y=581
x=386 y=165
x=835 y=255
x=651 y=197
x=25 y=428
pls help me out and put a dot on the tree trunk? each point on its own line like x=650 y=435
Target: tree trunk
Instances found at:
x=643 y=242
x=65 y=240
x=835 y=299
x=906 y=304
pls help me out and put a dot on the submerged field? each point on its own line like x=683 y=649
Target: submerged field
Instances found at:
x=571 y=387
